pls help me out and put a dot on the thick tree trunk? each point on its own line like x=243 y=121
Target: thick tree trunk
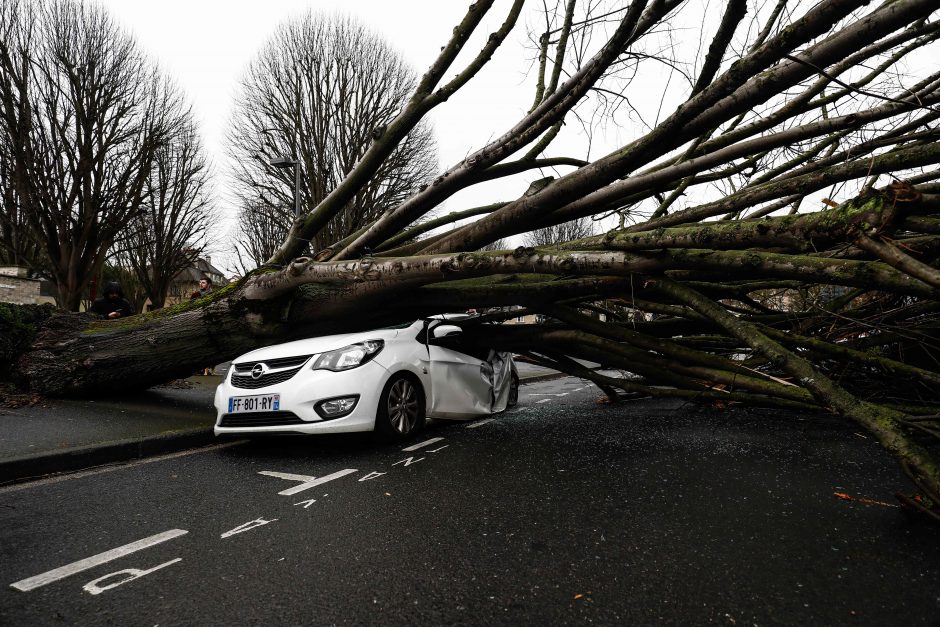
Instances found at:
x=76 y=354
x=56 y=352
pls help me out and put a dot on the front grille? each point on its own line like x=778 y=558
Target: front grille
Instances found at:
x=280 y=362
x=285 y=368
x=261 y=419
x=245 y=381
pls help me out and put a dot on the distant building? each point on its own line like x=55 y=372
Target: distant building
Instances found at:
x=187 y=281
x=522 y=317
x=16 y=286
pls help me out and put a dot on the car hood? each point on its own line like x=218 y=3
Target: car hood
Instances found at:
x=314 y=345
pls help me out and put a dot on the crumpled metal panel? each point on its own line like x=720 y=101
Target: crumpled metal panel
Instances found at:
x=462 y=389
x=501 y=379
x=461 y=385
x=464 y=386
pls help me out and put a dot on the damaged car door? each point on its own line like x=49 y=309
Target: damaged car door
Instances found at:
x=461 y=381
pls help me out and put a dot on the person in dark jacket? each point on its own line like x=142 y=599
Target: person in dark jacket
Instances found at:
x=112 y=304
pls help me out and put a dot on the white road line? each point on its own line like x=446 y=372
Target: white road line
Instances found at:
x=415 y=447
x=479 y=424
x=547 y=394
x=96 y=560
x=544 y=400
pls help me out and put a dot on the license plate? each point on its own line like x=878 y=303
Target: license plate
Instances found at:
x=246 y=404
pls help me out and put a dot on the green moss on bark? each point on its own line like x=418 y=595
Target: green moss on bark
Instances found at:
x=18 y=327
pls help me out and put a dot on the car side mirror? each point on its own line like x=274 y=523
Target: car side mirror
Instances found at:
x=446 y=330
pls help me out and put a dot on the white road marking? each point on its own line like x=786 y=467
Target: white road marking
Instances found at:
x=544 y=400
x=308 y=481
x=372 y=475
x=248 y=526
x=479 y=424
x=547 y=394
x=408 y=461
x=286 y=475
x=68 y=570
x=415 y=447
x=92 y=587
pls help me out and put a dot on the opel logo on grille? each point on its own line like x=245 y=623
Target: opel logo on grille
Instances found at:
x=258 y=371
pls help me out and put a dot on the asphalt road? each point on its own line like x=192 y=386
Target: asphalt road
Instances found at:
x=562 y=511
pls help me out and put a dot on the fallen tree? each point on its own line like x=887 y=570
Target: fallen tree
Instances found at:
x=721 y=282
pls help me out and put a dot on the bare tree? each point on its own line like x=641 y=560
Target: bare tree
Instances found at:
x=796 y=152
x=261 y=229
x=18 y=244
x=500 y=244
x=84 y=114
x=578 y=228
x=319 y=92
x=175 y=222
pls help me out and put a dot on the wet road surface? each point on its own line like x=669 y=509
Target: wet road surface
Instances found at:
x=564 y=510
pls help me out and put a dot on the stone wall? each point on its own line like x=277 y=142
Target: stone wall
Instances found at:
x=19 y=290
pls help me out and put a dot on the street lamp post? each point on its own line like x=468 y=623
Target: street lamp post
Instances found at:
x=287 y=162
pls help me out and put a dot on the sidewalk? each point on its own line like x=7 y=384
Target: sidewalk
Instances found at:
x=62 y=435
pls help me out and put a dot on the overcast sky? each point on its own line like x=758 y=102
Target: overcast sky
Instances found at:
x=206 y=45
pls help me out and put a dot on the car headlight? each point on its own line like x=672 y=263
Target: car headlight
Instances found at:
x=348 y=357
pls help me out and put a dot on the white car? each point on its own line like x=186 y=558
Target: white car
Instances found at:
x=387 y=380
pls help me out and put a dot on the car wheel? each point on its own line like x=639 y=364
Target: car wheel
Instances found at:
x=513 y=392
x=401 y=408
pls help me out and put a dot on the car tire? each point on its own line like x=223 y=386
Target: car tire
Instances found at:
x=401 y=409
x=513 y=393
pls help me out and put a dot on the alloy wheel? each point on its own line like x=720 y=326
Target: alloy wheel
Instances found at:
x=403 y=406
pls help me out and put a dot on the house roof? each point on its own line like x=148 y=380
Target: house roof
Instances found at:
x=200 y=267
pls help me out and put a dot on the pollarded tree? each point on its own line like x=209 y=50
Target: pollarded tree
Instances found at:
x=719 y=195
x=261 y=229
x=176 y=219
x=18 y=246
x=319 y=92
x=576 y=229
x=84 y=113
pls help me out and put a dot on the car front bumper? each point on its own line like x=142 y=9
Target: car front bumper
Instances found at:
x=300 y=394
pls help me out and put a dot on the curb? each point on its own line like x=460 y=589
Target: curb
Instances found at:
x=543 y=377
x=27 y=467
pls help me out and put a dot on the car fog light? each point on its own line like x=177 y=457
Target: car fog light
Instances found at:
x=336 y=407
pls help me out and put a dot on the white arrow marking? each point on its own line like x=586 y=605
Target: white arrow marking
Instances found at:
x=286 y=475
x=307 y=480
